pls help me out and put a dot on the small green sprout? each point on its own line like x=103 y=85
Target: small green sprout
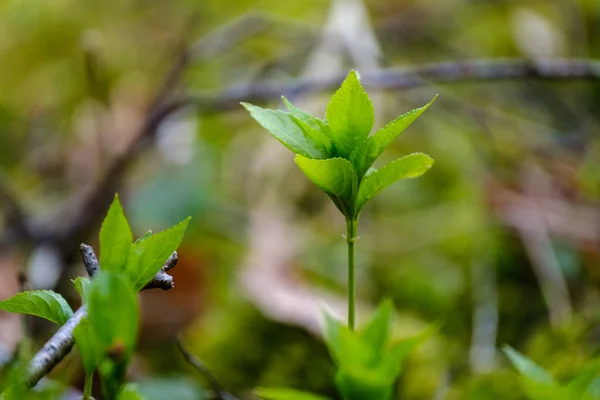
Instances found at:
x=337 y=154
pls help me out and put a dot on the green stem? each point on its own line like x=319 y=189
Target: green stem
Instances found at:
x=351 y=239
x=87 y=386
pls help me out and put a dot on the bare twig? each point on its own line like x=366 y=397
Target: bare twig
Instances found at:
x=218 y=391
x=171 y=262
x=383 y=79
x=55 y=349
x=404 y=78
x=90 y=261
x=61 y=343
x=162 y=280
x=229 y=35
x=95 y=199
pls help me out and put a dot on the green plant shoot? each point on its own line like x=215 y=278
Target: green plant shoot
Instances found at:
x=106 y=338
x=337 y=154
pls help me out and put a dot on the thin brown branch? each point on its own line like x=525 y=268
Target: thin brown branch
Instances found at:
x=164 y=104
x=162 y=280
x=229 y=35
x=399 y=78
x=55 y=349
x=59 y=345
x=97 y=198
x=90 y=261
x=218 y=391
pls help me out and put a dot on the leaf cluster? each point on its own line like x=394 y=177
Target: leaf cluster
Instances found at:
x=367 y=361
x=539 y=384
x=337 y=153
x=106 y=338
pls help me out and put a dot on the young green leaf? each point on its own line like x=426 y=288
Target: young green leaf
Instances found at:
x=364 y=155
x=410 y=166
x=137 y=248
x=13 y=386
x=334 y=176
x=350 y=115
x=377 y=331
x=368 y=371
x=367 y=365
x=113 y=313
x=331 y=335
x=358 y=158
x=15 y=391
x=115 y=239
x=360 y=383
x=365 y=346
x=314 y=127
x=528 y=368
x=283 y=126
x=148 y=256
x=583 y=386
x=593 y=391
x=286 y=394
x=315 y=123
x=580 y=385
x=130 y=392
x=397 y=354
x=82 y=285
x=41 y=303
x=86 y=344
x=547 y=391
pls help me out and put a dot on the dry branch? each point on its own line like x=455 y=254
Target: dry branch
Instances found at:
x=398 y=78
x=218 y=392
x=96 y=199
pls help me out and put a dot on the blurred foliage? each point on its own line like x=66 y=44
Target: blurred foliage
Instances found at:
x=452 y=247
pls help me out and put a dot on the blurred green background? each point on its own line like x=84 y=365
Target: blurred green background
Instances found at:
x=499 y=241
